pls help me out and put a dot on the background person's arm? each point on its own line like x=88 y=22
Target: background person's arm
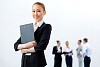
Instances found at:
x=54 y=50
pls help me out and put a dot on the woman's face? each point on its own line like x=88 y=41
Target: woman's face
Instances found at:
x=79 y=43
x=67 y=43
x=38 y=12
x=58 y=43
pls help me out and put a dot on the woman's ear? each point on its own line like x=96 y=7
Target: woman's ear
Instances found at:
x=44 y=12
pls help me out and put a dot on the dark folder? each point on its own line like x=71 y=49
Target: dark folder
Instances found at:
x=27 y=33
x=67 y=52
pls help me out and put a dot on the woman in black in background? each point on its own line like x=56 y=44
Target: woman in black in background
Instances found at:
x=57 y=51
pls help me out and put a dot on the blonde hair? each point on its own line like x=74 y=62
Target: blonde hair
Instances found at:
x=68 y=44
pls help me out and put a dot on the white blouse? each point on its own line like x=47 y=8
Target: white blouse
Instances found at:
x=59 y=50
x=66 y=49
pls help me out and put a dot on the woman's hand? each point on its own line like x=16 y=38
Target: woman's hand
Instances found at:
x=30 y=44
x=65 y=54
x=28 y=50
x=21 y=46
x=27 y=45
x=24 y=50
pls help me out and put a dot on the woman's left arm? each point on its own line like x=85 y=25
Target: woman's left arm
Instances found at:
x=45 y=37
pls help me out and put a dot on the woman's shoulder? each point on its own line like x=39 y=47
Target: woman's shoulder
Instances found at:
x=54 y=46
x=47 y=26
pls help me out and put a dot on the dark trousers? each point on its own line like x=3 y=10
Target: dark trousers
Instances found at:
x=57 y=61
x=27 y=63
x=69 y=61
x=87 y=61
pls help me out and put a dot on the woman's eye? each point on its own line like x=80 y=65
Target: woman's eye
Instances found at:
x=33 y=11
x=39 y=10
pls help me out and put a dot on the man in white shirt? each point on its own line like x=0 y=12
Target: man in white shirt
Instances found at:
x=86 y=53
x=80 y=53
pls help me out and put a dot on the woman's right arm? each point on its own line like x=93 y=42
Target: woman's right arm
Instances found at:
x=54 y=50
x=17 y=43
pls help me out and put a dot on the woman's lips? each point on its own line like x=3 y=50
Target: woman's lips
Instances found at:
x=36 y=17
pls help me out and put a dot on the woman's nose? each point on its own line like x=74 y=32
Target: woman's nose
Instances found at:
x=35 y=13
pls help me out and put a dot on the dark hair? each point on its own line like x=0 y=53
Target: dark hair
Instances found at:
x=41 y=4
x=57 y=41
x=85 y=39
x=80 y=41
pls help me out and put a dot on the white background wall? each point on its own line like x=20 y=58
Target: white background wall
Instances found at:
x=70 y=19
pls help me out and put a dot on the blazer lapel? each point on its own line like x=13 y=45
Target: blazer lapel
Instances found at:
x=56 y=48
x=39 y=29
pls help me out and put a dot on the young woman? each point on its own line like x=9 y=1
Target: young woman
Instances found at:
x=57 y=51
x=68 y=54
x=80 y=53
x=33 y=52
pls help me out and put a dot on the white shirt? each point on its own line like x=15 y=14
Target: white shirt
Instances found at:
x=66 y=49
x=87 y=50
x=59 y=50
x=79 y=51
x=37 y=25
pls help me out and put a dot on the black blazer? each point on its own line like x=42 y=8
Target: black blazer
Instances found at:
x=55 y=51
x=42 y=36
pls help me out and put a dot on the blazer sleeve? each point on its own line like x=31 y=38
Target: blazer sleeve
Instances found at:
x=17 y=43
x=54 y=50
x=45 y=36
